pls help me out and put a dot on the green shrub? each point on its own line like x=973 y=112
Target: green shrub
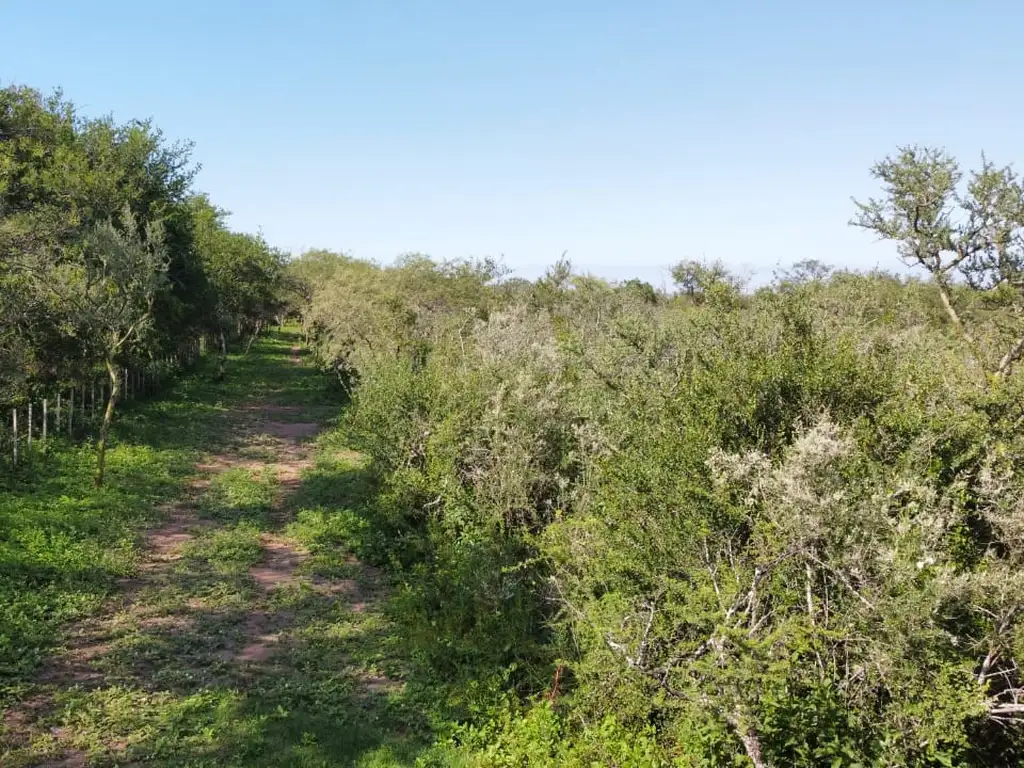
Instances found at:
x=778 y=527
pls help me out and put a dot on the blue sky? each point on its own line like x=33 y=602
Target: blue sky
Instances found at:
x=632 y=135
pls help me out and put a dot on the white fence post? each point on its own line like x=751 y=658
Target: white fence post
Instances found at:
x=14 y=425
x=29 y=424
x=44 y=420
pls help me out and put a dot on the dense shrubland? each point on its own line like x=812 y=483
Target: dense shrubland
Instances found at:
x=723 y=526
x=108 y=256
x=781 y=526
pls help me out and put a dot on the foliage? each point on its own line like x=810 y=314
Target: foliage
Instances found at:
x=108 y=256
x=773 y=527
x=242 y=272
x=706 y=281
x=971 y=232
x=721 y=527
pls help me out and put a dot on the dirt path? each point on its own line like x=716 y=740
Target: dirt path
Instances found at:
x=227 y=597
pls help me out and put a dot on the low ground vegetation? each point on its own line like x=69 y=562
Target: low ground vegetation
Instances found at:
x=201 y=608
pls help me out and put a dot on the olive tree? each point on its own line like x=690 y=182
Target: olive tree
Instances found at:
x=123 y=276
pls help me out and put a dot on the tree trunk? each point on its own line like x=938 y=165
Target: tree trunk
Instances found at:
x=256 y=332
x=951 y=312
x=1010 y=358
x=108 y=417
x=751 y=743
x=749 y=737
x=222 y=359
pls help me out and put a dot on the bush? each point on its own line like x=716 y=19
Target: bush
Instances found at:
x=777 y=527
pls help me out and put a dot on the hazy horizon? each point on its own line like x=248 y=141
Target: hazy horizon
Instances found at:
x=631 y=138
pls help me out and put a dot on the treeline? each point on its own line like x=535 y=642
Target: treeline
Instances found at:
x=721 y=527
x=109 y=257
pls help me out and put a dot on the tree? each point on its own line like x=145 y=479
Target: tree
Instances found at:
x=242 y=271
x=703 y=281
x=642 y=290
x=969 y=234
x=128 y=273
x=806 y=271
x=41 y=211
x=62 y=178
x=113 y=290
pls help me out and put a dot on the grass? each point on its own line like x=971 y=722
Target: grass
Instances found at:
x=236 y=495
x=261 y=641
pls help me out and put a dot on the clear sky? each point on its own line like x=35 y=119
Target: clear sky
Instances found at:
x=631 y=134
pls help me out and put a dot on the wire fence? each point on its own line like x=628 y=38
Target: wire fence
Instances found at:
x=76 y=412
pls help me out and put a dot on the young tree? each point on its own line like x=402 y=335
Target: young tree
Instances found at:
x=971 y=234
x=106 y=288
x=121 y=279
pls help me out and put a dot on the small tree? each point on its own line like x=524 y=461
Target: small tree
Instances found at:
x=124 y=272
x=106 y=288
x=969 y=234
x=706 y=281
x=805 y=271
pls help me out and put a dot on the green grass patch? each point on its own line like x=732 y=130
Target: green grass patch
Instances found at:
x=228 y=550
x=179 y=681
x=240 y=495
x=63 y=543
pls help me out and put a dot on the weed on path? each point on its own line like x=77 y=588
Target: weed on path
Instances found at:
x=210 y=614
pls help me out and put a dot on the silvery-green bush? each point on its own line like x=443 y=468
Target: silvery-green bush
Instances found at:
x=780 y=527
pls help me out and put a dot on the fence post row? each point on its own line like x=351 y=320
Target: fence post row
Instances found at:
x=134 y=382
